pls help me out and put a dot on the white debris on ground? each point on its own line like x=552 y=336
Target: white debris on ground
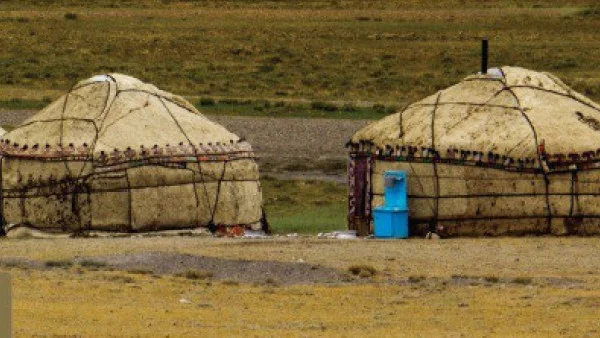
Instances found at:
x=255 y=234
x=342 y=234
x=432 y=235
x=22 y=232
x=345 y=234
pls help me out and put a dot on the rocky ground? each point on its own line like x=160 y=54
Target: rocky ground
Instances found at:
x=14 y=117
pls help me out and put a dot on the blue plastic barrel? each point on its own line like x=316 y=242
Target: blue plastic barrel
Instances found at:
x=390 y=222
x=391 y=219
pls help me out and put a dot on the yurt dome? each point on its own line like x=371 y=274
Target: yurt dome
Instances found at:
x=512 y=151
x=117 y=154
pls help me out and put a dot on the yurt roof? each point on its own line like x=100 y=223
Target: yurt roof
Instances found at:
x=116 y=111
x=509 y=111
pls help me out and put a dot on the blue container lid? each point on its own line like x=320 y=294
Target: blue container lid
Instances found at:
x=384 y=208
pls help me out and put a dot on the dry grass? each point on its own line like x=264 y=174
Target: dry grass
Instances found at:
x=378 y=51
x=538 y=286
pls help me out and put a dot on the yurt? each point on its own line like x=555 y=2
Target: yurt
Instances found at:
x=508 y=152
x=116 y=154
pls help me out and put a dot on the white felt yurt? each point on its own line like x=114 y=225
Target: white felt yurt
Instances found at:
x=512 y=151
x=116 y=154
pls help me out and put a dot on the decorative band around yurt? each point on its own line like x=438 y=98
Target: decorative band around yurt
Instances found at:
x=549 y=163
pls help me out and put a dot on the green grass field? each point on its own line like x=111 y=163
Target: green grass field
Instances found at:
x=304 y=206
x=266 y=108
x=389 y=52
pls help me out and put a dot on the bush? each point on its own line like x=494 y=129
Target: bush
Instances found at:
x=59 y=264
x=455 y=276
x=416 y=279
x=319 y=105
x=266 y=68
x=230 y=101
x=207 y=101
x=71 y=16
x=119 y=279
x=363 y=271
x=589 y=12
x=348 y=107
x=10 y=264
x=91 y=264
x=522 y=280
x=390 y=110
x=230 y=282
x=140 y=271
x=491 y=279
x=379 y=108
x=195 y=274
x=271 y=281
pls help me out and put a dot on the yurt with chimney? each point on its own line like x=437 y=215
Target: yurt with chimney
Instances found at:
x=116 y=154
x=509 y=152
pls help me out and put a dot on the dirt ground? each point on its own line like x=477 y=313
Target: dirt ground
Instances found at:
x=534 y=286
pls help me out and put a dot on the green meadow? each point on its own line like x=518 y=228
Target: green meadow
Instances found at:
x=304 y=206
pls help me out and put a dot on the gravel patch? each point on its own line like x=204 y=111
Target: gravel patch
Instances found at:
x=294 y=137
x=20 y=262
x=15 y=117
x=223 y=269
x=313 y=147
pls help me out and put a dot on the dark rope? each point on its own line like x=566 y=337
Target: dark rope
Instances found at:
x=62 y=115
x=539 y=155
x=400 y=122
x=162 y=98
x=214 y=211
x=464 y=104
x=199 y=166
x=57 y=120
x=129 y=200
x=436 y=202
x=559 y=94
x=572 y=190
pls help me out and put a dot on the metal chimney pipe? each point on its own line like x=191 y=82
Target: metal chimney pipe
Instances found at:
x=484 y=56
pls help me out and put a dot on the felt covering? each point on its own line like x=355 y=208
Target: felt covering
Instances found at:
x=509 y=152
x=117 y=154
